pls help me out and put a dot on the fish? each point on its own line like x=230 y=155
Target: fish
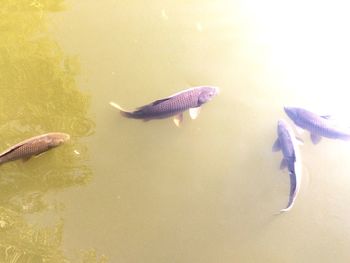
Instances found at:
x=318 y=125
x=289 y=145
x=173 y=106
x=33 y=146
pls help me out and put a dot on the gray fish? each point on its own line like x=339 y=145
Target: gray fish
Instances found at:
x=33 y=146
x=190 y=99
x=288 y=143
x=318 y=126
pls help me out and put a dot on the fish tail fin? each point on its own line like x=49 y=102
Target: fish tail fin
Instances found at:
x=123 y=112
x=285 y=209
x=289 y=205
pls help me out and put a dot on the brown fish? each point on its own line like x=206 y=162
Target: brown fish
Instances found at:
x=33 y=146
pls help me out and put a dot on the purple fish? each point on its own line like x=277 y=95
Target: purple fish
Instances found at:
x=190 y=99
x=318 y=126
x=287 y=142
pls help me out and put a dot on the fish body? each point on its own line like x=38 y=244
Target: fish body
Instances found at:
x=318 y=126
x=190 y=99
x=33 y=146
x=288 y=144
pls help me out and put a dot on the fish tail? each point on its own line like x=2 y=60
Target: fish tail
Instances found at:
x=123 y=112
x=285 y=209
x=290 y=204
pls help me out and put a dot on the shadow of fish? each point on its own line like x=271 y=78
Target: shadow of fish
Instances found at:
x=287 y=142
x=190 y=99
x=318 y=126
x=33 y=146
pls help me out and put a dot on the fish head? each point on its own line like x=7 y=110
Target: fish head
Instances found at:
x=206 y=94
x=58 y=138
x=284 y=128
x=292 y=112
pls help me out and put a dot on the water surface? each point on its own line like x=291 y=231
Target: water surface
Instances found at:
x=132 y=191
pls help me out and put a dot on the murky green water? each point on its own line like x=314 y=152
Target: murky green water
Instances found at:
x=130 y=191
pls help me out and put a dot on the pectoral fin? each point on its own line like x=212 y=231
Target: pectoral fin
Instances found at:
x=194 y=112
x=315 y=138
x=283 y=164
x=178 y=119
x=154 y=103
x=25 y=159
x=276 y=146
x=39 y=154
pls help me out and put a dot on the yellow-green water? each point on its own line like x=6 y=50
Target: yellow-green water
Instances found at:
x=124 y=190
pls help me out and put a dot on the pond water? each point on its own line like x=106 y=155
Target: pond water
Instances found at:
x=124 y=190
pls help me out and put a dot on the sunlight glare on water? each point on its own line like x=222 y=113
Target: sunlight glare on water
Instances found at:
x=308 y=47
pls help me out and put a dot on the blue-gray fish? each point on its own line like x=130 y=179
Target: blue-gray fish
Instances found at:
x=287 y=142
x=190 y=99
x=318 y=126
x=33 y=146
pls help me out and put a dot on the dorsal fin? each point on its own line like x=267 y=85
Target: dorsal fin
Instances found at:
x=154 y=103
x=11 y=149
x=20 y=144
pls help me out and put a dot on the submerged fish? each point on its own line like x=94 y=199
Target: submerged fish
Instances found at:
x=318 y=126
x=288 y=143
x=190 y=99
x=33 y=146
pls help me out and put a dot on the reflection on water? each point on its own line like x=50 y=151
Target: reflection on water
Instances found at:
x=39 y=94
x=24 y=243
